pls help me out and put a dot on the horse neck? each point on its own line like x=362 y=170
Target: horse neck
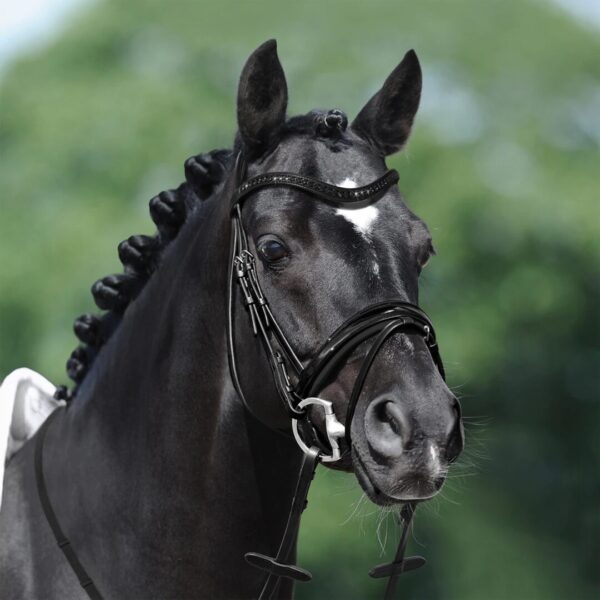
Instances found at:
x=157 y=445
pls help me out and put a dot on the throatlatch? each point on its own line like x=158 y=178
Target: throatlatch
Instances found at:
x=297 y=383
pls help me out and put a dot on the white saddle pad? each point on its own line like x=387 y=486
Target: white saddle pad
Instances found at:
x=26 y=400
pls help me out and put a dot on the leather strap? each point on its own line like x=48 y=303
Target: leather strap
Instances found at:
x=360 y=327
x=278 y=567
x=61 y=539
x=385 y=333
x=315 y=187
x=400 y=564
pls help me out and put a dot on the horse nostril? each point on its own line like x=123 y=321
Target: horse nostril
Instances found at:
x=391 y=415
x=386 y=427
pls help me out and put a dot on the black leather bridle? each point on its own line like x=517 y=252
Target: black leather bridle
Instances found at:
x=295 y=382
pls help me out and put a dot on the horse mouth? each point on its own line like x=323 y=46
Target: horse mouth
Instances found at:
x=373 y=492
x=415 y=489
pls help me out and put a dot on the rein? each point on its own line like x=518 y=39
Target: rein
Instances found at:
x=61 y=539
x=296 y=382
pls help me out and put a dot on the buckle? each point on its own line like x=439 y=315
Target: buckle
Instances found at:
x=240 y=266
x=248 y=258
x=333 y=428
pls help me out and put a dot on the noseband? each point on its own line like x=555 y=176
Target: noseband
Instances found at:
x=297 y=383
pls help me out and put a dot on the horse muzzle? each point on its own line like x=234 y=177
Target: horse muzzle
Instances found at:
x=401 y=451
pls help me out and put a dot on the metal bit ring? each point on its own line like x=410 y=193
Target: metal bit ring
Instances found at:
x=333 y=427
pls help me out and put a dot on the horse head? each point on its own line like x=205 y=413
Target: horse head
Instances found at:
x=319 y=264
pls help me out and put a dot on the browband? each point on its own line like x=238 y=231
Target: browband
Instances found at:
x=325 y=191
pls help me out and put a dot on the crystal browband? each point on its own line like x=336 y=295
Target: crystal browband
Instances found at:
x=325 y=191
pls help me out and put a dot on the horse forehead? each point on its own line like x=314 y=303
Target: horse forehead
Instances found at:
x=354 y=167
x=329 y=160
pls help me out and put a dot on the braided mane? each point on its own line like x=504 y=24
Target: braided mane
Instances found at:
x=140 y=256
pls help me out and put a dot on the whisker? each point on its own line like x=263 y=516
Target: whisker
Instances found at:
x=380 y=520
x=446 y=499
x=354 y=511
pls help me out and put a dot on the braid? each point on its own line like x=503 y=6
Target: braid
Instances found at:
x=77 y=364
x=168 y=213
x=140 y=255
x=202 y=172
x=115 y=292
x=95 y=330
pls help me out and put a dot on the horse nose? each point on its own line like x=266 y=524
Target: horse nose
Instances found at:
x=456 y=437
x=387 y=427
x=389 y=433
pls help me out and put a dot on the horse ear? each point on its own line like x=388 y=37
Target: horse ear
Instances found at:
x=262 y=99
x=386 y=120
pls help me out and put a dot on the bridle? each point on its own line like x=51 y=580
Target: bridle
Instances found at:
x=296 y=383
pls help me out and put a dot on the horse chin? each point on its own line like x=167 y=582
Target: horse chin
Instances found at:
x=387 y=493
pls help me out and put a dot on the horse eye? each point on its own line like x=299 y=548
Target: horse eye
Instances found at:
x=272 y=250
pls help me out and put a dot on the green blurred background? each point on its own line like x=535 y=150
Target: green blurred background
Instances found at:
x=503 y=165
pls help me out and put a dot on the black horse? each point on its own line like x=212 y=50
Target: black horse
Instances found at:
x=157 y=472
